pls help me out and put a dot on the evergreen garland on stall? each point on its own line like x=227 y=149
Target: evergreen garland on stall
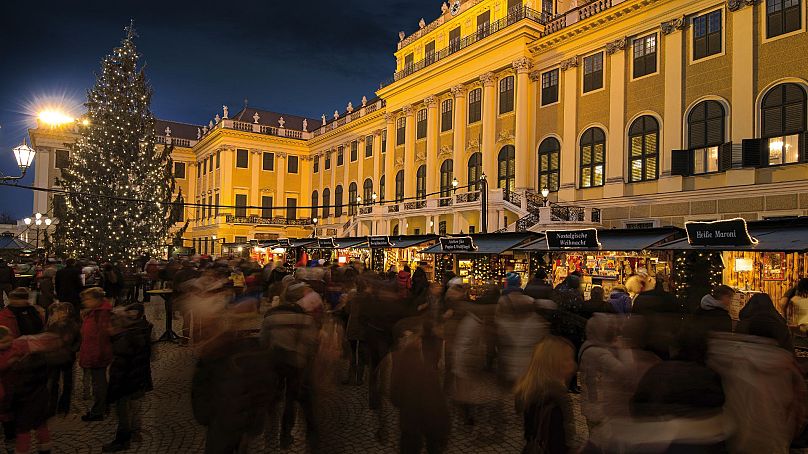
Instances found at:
x=119 y=183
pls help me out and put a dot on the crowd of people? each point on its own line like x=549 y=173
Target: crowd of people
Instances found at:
x=649 y=374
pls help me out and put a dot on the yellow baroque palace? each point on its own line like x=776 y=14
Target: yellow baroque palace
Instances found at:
x=629 y=113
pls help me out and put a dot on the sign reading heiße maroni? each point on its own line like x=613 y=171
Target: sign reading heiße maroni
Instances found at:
x=728 y=232
x=457 y=244
x=578 y=239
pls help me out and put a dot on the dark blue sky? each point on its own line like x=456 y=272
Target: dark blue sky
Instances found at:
x=297 y=57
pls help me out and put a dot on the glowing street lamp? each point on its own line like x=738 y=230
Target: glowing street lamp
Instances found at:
x=55 y=118
x=314 y=232
x=544 y=194
x=24 y=155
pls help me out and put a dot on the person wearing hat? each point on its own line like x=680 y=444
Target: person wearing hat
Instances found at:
x=20 y=317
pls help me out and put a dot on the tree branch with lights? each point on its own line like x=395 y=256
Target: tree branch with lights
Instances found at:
x=116 y=156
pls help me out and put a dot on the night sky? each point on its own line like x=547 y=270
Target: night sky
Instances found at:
x=298 y=57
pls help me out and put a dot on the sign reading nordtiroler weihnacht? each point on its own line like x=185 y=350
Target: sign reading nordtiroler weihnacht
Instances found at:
x=326 y=243
x=578 y=239
x=379 y=242
x=728 y=232
x=457 y=244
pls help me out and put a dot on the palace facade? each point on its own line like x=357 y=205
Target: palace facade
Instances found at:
x=629 y=113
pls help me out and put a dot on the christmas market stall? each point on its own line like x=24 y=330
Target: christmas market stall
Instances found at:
x=603 y=257
x=481 y=258
x=340 y=250
x=759 y=256
x=396 y=251
x=285 y=249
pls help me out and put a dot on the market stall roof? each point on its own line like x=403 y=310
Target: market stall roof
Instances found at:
x=781 y=235
x=9 y=241
x=337 y=243
x=405 y=241
x=617 y=240
x=487 y=243
x=293 y=242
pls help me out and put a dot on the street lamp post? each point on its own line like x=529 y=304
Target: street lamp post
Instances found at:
x=314 y=231
x=24 y=155
x=544 y=194
x=38 y=220
x=484 y=202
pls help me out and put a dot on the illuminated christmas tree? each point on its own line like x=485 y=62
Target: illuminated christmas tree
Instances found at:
x=119 y=183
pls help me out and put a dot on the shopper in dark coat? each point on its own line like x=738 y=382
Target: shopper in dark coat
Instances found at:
x=713 y=312
x=68 y=284
x=656 y=301
x=596 y=302
x=62 y=323
x=7 y=280
x=130 y=372
x=760 y=318
x=420 y=283
x=538 y=288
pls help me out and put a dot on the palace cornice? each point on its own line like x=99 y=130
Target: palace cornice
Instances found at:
x=581 y=26
x=347 y=128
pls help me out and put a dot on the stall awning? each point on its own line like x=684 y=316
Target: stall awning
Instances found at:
x=490 y=243
x=770 y=239
x=290 y=242
x=618 y=240
x=9 y=241
x=403 y=242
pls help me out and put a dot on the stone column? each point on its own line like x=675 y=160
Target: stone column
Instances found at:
x=432 y=165
x=674 y=99
x=42 y=166
x=522 y=105
x=389 y=161
x=377 y=161
x=616 y=159
x=255 y=169
x=459 y=130
x=409 y=152
x=304 y=197
x=566 y=191
x=280 y=176
x=489 y=128
x=228 y=164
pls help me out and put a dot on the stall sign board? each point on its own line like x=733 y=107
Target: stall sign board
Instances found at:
x=729 y=232
x=326 y=243
x=457 y=244
x=284 y=242
x=579 y=239
x=379 y=242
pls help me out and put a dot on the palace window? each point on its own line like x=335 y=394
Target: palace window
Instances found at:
x=314 y=201
x=291 y=208
x=205 y=167
x=326 y=202
x=327 y=160
x=340 y=156
x=216 y=204
x=400 y=186
x=338 y=201
x=241 y=206
x=549 y=159
x=707 y=35
x=354 y=151
x=242 y=159
x=446 y=177
x=475 y=105
x=420 y=183
x=483 y=24
x=420 y=124
x=63 y=160
x=429 y=53
x=266 y=206
x=381 y=189
x=643 y=138
x=179 y=168
x=401 y=131
x=446 y=115
x=218 y=159
x=269 y=161
x=783 y=121
x=454 y=40
x=506 y=95
x=384 y=142
x=352 y=195
x=783 y=16
x=367 y=191
x=292 y=164
x=506 y=168
x=549 y=87
x=705 y=125
x=593 y=157
x=368 y=146
x=316 y=164
x=593 y=72
x=645 y=53
x=475 y=170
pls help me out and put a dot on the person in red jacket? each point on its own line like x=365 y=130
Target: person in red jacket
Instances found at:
x=95 y=354
x=404 y=279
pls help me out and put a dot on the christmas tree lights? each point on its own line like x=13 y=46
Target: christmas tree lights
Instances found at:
x=116 y=157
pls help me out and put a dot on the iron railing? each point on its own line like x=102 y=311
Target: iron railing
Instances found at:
x=513 y=197
x=467 y=197
x=416 y=205
x=561 y=213
x=392 y=209
x=528 y=221
x=595 y=215
x=258 y=220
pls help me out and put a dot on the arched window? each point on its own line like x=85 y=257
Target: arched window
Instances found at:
x=367 y=191
x=643 y=139
x=506 y=168
x=475 y=170
x=353 y=193
x=338 y=201
x=395 y=230
x=420 y=183
x=783 y=120
x=705 y=134
x=400 y=186
x=593 y=157
x=326 y=203
x=446 y=176
x=381 y=189
x=549 y=160
x=314 y=201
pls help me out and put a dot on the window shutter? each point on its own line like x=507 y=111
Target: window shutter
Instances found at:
x=772 y=122
x=681 y=162
x=697 y=135
x=752 y=152
x=725 y=157
x=804 y=147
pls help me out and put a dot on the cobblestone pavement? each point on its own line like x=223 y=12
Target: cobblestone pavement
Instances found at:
x=347 y=425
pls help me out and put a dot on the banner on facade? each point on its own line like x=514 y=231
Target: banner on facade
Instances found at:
x=578 y=239
x=727 y=232
x=457 y=244
x=379 y=242
x=326 y=243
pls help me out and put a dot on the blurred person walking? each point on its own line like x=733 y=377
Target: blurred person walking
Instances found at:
x=63 y=323
x=7 y=279
x=759 y=318
x=713 y=312
x=68 y=285
x=95 y=354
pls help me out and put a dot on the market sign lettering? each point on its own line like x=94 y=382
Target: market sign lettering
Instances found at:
x=579 y=239
x=326 y=243
x=457 y=244
x=379 y=242
x=729 y=232
x=284 y=242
